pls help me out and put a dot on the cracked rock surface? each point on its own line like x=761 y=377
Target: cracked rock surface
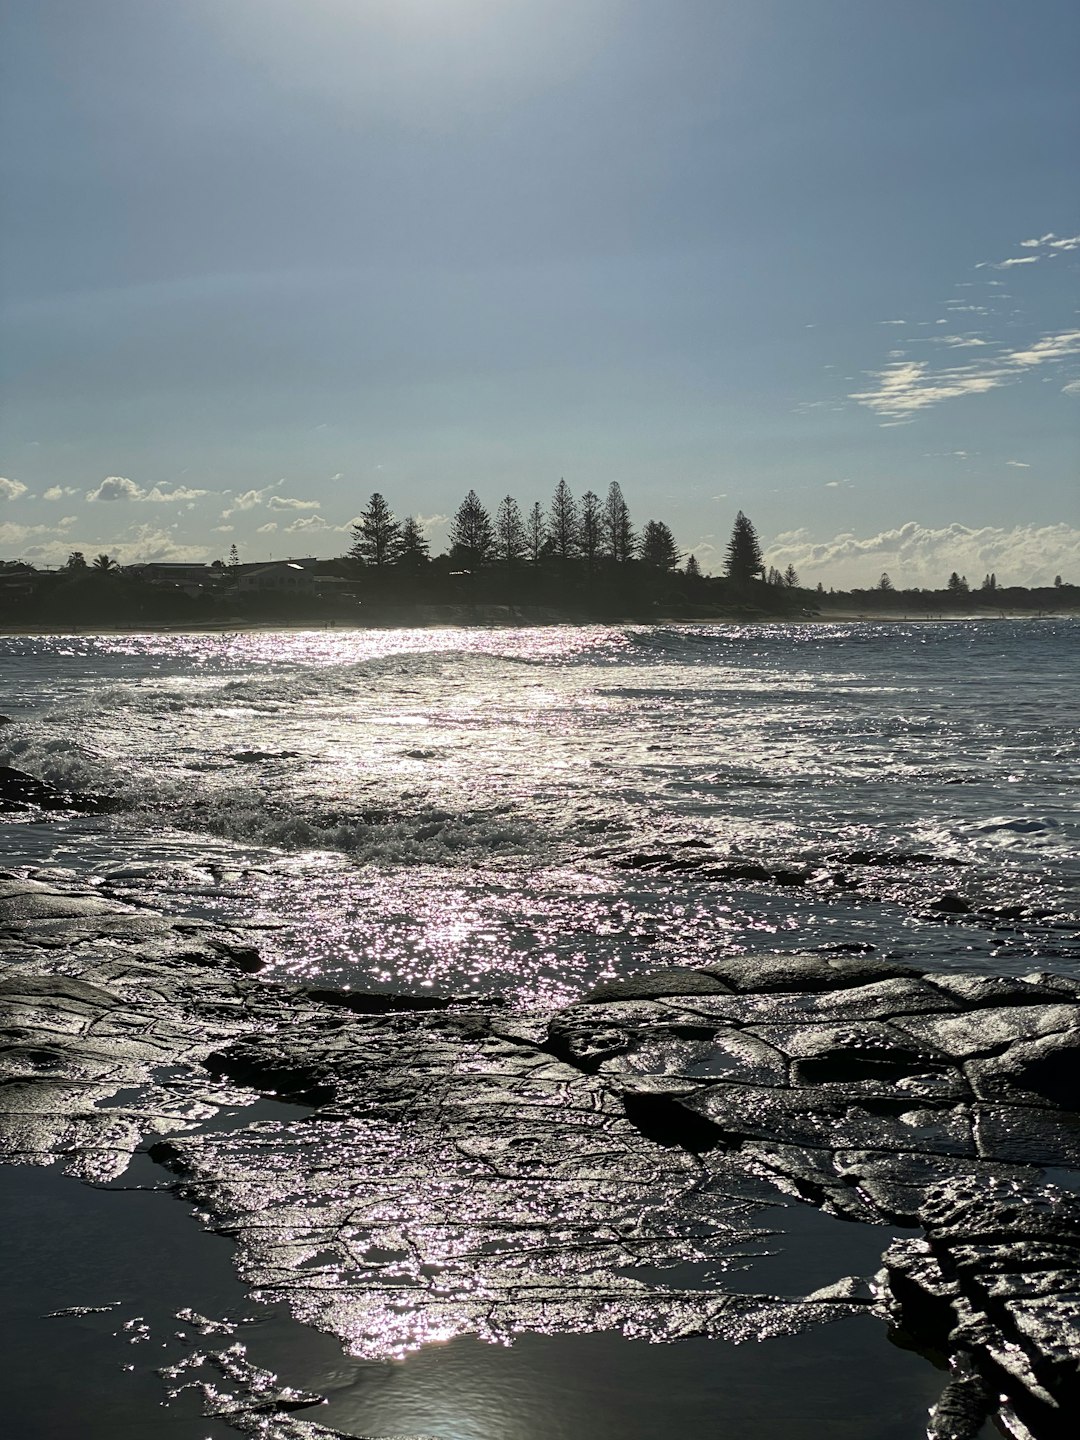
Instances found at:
x=463 y=1168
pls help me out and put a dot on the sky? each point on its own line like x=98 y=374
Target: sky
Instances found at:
x=816 y=260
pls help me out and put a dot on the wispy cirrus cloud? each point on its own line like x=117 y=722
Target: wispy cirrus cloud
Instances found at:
x=907 y=386
x=1050 y=241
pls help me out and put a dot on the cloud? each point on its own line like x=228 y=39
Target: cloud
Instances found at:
x=1018 y=464
x=908 y=386
x=119 y=487
x=224 y=529
x=308 y=522
x=145 y=542
x=13 y=538
x=1053 y=242
x=1072 y=388
x=918 y=555
x=116 y=487
x=58 y=492
x=157 y=496
x=1007 y=264
x=267 y=529
x=287 y=502
x=430 y=524
x=11 y=489
x=249 y=499
x=1050 y=348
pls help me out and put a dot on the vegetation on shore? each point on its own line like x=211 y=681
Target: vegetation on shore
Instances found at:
x=577 y=560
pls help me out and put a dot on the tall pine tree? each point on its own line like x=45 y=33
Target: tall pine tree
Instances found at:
x=619 y=540
x=563 y=523
x=472 y=539
x=377 y=535
x=743 y=561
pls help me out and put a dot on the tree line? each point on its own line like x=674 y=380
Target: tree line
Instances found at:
x=593 y=531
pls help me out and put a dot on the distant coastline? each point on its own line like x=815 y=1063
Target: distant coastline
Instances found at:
x=502 y=617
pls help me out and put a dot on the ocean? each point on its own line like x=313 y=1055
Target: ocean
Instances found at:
x=524 y=813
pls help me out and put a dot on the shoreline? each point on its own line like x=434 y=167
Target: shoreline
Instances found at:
x=258 y=627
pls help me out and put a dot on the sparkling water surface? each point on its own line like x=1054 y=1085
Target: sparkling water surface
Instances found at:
x=526 y=811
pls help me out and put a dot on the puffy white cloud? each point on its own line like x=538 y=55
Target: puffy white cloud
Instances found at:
x=116 y=487
x=308 y=522
x=11 y=489
x=267 y=529
x=918 y=555
x=289 y=502
x=158 y=496
x=119 y=487
x=1072 y=388
x=13 y=538
x=145 y=542
x=58 y=492
x=249 y=499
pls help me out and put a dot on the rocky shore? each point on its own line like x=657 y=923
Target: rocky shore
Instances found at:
x=464 y=1168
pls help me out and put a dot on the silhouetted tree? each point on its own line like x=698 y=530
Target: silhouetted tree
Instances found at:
x=658 y=546
x=378 y=535
x=413 y=546
x=885 y=583
x=958 y=584
x=590 y=529
x=510 y=541
x=471 y=537
x=535 y=533
x=692 y=568
x=563 y=522
x=774 y=577
x=234 y=557
x=791 y=577
x=743 y=561
x=75 y=561
x=104 y=565
x=619 y=539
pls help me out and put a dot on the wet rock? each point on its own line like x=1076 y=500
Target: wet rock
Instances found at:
x=22 y=792
x=998 y=1277
x=463 y=1168
x=951 y=904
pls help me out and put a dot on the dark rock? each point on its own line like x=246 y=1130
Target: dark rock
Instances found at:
x=951 y=904
x=769 y=974
x=966 y=1404
x=660 y=982
x=469 y=1168
x=20 y=791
